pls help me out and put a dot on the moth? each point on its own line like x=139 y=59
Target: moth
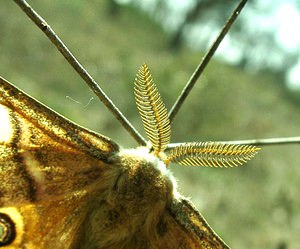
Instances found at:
x=63 y=186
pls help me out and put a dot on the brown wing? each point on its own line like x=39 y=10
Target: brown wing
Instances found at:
x=46 y=225
x=182 y=226
x=48 y=166
x=43 y=154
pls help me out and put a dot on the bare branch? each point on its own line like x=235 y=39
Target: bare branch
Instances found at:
x=256 y=142
x=47 y=30
x=200 y=68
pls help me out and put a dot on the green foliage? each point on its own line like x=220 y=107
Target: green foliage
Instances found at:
x=253 y=206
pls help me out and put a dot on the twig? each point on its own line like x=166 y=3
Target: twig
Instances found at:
x=257 y=142
x=47 y=30
x=195 y=76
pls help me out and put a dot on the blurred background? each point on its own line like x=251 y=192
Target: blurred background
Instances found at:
x=251 y=89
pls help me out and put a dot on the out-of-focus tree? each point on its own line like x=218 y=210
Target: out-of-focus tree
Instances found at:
x=113 y=7
x=198 y=13
x=253 y=43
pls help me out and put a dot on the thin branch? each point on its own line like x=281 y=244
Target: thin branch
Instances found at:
x=256 y=142
x=200 y=68
x=47 y=30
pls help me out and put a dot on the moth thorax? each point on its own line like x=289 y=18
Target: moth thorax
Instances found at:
x=144 y=180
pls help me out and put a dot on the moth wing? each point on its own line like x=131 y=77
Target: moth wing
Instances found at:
x=48 y=166
x=42 y=154
x=46 y=225
x=182 y=226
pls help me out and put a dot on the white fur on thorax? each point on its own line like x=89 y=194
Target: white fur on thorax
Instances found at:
x=144 y=154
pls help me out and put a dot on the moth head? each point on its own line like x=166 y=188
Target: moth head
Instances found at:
x=144 y=174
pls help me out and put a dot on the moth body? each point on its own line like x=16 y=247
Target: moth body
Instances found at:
x=131 y=212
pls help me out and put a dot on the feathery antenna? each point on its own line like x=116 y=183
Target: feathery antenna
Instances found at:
x=212 y=154
x=152 y=110
x=158 y=129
